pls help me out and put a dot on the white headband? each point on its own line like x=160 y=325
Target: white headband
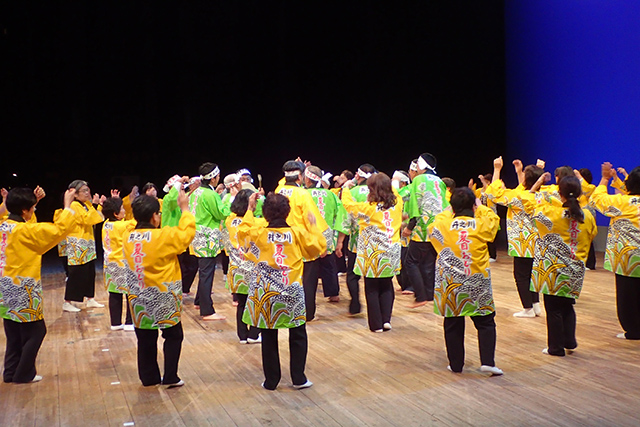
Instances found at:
x=327 y=177
x=312 y=176
x=172 y=183
x=422 y=164
x=365 y=175
x=414 y=166
x=399 y=175
x=211 y=174
x=292 y=173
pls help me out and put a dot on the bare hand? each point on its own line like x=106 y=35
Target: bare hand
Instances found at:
x=338 y=250
x=607 y=170
x=69 y=197
x=348 y=184
x=406 y=232
x=253 y=201
x=39 y=193
x=115 y=193
x=540 y=163
x=96 y=199
x=102 y=199
x=4 y=193
x=312 y=218
x=135 y=192
x=517 y=164
x=471 y=183
x=498 y=163
x=623 y=172
x=183 y=200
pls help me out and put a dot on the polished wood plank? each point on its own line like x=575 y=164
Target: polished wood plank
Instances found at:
x=397 y=378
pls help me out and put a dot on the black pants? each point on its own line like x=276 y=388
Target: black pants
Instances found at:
x=244 y=331
x=310 y=272
x=188 y=270
x=148 y=369
x=493 y=251
x=379 y=295
x=23 y=343
x=628 y=304
x=341 y=262
x=420 y=269
x=561 y=324
x=454 y=339
x=522 y=274
x=206 y=271
x=402 y=278
x=115 y=309
x=65 y=265
x=329 y=275
x=298 y=345
x=224 y=262
x=353 y=283
x=591 y=258
x=81 y=282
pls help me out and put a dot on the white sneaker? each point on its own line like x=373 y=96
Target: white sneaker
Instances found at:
x=386 y=326
x=255 y=341
x=67 y=306
x=92 y=303
x=545 y=350
x=301 y=386
x=623 y=335
x=129 y=328
x=36 y=379
x=527 y=312
x=536 y=309
x=117 y=328
x=493 y=370
x=175 y=385
x=492 y=260
x=243 y=341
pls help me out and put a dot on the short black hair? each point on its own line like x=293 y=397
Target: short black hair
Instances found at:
x=531 y=175
x=633 y=182
x=586 y=174
x=430 y=159
x=240 y=203
x=368 y=168
x=205 y=169
x=147 y=186
x=111 y=207
x=276 y=206
x=449 y=182
x=462 y=199
x=20 y=199
x=144 y=207
x=563 y=171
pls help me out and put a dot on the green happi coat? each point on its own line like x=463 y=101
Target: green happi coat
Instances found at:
x=426 y=200
x=333 y=212
x=359 y=194
x=205 y=204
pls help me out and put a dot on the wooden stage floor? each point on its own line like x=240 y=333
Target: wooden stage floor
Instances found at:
x=398 y=378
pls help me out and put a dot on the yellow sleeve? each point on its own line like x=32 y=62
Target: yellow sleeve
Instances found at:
x=489 y=223
x=619 y=184
x=180 y=236
x=40 y=237
x=602 y=200
x=313 y=243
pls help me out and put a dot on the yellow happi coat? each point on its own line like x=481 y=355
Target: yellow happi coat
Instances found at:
x=22 y=245
x=463 y=276
x=240 y=268
x=154 y=281
x=379 y=245
x=81 y=244
x=114 y=268
x=276 y=296
x=622 y=255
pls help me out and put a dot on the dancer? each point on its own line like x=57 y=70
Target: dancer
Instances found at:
x=426 y=201
x=81 y=249
x=565 y=233
x=301 y=204
x=400 y=181
x=205 y=204
x=463 y=277
x=521 y=231
x=622 y=254
x=276 y=295
x=378 y=259
x=21 y=297
x=114 y=231
x=155 y=291
x=240 y=268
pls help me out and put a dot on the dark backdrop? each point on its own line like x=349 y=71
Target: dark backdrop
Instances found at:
x=116 y=92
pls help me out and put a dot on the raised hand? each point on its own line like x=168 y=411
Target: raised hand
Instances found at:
x=69 y=197
x=39 y=193
x=498 y=163
x=183 y=200
x=540 y=163
x=115 y=193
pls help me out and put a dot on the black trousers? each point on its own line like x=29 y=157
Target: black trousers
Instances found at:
x=329 y=275
x=522 y=274
x=353 y=283
x=188 y=270
x=298 y=345
x=341 y=262
x=402 y=278
x=561 y=324
x=310 y=273
x=224 y=262
x=628 y=304
x=115 y=309
x=493 y=251
x=244 y=331
x=23 y=343
x=454 y=339
x=379 y=295
x=81 y=282
x=591 y=258
x=420 y=269
x=206 y=271
x=148 y=369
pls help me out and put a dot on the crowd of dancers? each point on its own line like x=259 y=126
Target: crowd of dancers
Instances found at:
x=435 y=238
